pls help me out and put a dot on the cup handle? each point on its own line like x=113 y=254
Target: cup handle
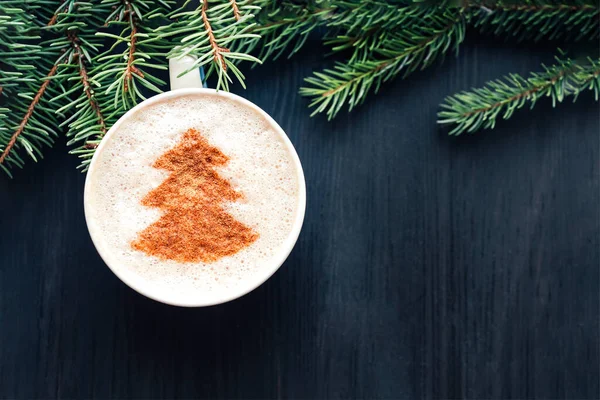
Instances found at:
x=193 y=79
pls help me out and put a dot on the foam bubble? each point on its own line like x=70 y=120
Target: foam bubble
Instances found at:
x=260 y=167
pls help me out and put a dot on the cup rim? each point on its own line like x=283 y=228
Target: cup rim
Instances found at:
x=265 y=272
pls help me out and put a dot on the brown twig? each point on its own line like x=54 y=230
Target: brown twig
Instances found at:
x=236 y=10
x=55 y=16
x=217 y=50
x=87 y=89
x=53 y=20
x=131 y=69
x=28 y=115
x=594 y=75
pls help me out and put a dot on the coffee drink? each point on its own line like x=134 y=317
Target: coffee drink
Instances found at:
x=194 y=193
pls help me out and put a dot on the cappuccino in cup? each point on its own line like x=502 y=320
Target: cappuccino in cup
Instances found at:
x=195 y=198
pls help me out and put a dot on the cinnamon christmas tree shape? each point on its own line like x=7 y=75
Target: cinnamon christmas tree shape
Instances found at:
x=195 y=226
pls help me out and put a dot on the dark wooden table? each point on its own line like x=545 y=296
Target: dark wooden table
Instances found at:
x=428 y=266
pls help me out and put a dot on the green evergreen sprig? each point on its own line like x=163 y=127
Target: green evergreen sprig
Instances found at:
x=135 y=55
x=111 y=82
x=79 y=65
x=285 y=26
x=27 y=121
x=213 y=33
x=401 y=53
x=537 y=20
x=396 y=26
x=82 y=115
x=480 y=108
x=373 y=27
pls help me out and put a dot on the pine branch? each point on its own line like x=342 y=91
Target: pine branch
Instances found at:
x=403 y=53
x=587 y=79
x=85 y=82
x=74 y=26
x=363 y=16
x=87 y=124
x=26 y=123
x=286 y=24
x=68 y=78
x=126 y=66
x=371 y=25
x=480 y=108
x=9 y=146
x=104 y=86
x=349 y=22
x=367 y=27
x=214 y=35
x=537 y=19
x=72 y=40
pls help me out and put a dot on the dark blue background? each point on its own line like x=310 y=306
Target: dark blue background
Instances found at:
x=428 y=266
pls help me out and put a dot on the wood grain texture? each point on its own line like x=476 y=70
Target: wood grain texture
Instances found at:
x=428 y=266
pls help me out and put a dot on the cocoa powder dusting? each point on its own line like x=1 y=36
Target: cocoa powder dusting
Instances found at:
x=195 y=226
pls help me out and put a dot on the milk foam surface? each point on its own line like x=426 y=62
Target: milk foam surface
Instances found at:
x=260 y=167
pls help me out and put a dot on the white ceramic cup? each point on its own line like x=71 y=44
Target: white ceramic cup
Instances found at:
x=191 y=83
